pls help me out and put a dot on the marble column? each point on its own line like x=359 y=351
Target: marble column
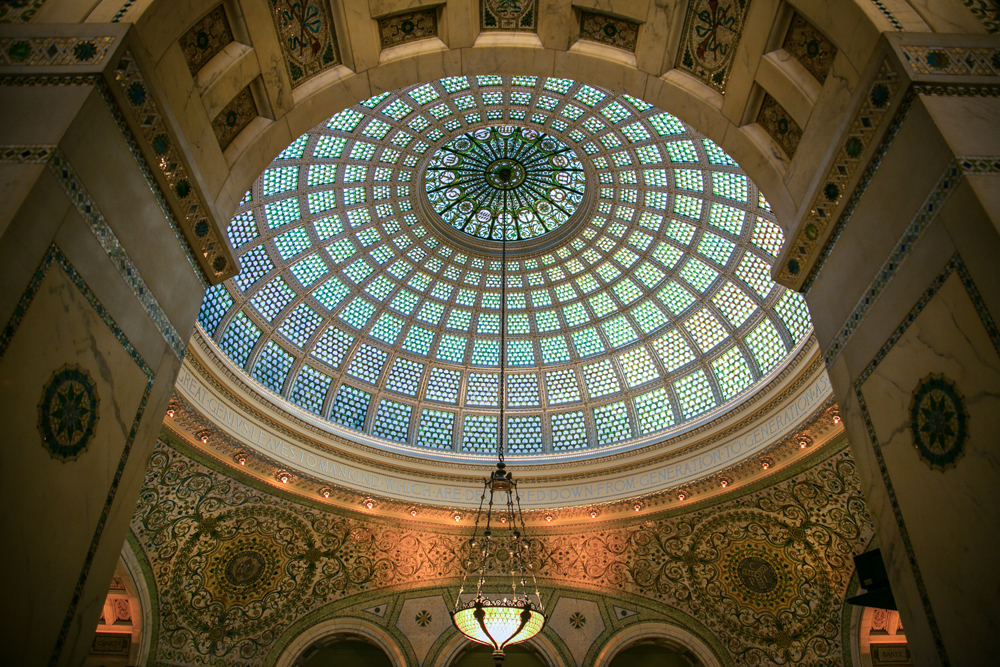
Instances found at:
x=105 y=254
x=896 y=250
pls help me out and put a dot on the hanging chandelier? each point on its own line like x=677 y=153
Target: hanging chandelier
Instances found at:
x=502 y=612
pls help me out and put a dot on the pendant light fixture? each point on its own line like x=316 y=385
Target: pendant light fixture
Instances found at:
x=502 y=612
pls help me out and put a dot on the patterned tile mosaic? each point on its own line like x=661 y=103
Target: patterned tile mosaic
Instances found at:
x=806 y=245
x=509 y=15
x=308 y=37
x=234 y=117
x=986 y=12
x=780 y=125
x=54 y=51
x=608 y=30
x=776 y=554
x=810 y=47
x=711 y=34
x=19 y=11
x=206 y=38
x=409 y=27
x=153 y=127
x=952 y=60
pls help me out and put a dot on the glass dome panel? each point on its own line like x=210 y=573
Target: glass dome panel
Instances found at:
x=652 y=309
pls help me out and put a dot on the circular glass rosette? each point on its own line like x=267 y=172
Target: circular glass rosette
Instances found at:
x=505 y=178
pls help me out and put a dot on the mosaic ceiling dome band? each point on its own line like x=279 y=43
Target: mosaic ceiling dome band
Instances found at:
x=653 y=315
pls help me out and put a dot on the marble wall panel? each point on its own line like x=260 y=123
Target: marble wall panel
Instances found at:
x=780 y=125
x=508 y=15
x=930 y=404
x=609 y=30
x=234 y=117
x=73 y=396
x=810 y=47
x=409 y=27
x=711 y=33
x=206 y=38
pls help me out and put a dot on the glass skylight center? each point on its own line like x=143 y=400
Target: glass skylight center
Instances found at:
x=505 y=177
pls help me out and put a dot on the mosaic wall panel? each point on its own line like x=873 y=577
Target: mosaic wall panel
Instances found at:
x=19 y=11
x=234 y=117
x=608 y=30
x=810 y=47
x=766 y=573
x=712 y=31
x=509 y=15
x=780 y=125
x=409 y=27
x=206 y=38
x=308 y=37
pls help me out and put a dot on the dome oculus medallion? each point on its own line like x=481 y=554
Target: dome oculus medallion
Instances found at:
x=651 y=310
x=504 y=178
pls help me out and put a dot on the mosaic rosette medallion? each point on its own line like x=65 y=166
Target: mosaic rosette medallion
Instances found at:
x=67 y=412
x=938 y=422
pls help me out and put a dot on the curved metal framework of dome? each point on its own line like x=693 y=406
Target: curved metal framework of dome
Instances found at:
x=657 y=311
x=505 y=178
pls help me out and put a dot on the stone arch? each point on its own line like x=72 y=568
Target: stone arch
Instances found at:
x=670 y=634
x=355 y=628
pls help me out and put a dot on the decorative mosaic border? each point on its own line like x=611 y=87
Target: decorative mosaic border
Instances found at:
x=954 y=265
x=921 y=221
x=976 y=164
x=60 y=167
x=154 y=130
x=55 y=256
x=879 y=5
x=982 y=9
x=54 y=51
x=154 y=187
x=952 y=60
x=866 y=125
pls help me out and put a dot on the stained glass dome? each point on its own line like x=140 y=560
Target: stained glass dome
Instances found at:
x=652 y=313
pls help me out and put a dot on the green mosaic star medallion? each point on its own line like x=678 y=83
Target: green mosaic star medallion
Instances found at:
x=938 y=422
x=67 y=413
